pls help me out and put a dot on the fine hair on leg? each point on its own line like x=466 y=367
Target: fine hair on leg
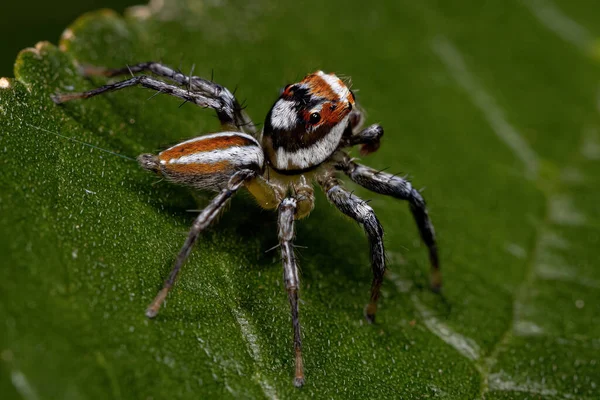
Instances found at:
x=210 y=89
x=226 y=112
x=203 y=220
x=285 y=222
x=395 y=186
x=361 y=212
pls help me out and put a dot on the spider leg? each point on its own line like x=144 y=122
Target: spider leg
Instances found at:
x=368 y=139
x=203 y=220
x=228 y=109
x=150 y=83
x=287 y=211
x=392 y=185
x=361 y=212
x=150 y=66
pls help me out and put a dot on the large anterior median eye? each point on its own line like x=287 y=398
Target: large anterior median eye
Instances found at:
x=314 y=118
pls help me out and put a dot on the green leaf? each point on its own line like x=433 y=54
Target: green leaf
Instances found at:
x=493 y=107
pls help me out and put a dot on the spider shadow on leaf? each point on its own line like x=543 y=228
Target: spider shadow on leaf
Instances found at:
x=328 y=244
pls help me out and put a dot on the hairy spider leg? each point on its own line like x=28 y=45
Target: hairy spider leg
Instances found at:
x=392 y=185
x=361 y=212
x=287 y=210
x=203 y=220
x=224 y=112
x=149 y=83
x=241 y=120
x=369 y=139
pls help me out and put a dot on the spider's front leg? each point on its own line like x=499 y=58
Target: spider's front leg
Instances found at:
x=369 y=138
x=194 y=89
x=361 y=212
x=203 y=220
x=287 y=211
x=392 y=185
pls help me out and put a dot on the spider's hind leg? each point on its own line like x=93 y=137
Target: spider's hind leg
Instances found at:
x=392 y=185
x=203 y=220
x=221 y=162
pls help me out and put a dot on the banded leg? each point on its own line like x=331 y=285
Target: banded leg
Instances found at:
x=391 y=185
x=212 y=90
x=362 y=213
x=287 y=210
x=203 y=220
x=225 y=113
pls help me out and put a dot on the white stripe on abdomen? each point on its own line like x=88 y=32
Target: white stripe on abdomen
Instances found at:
x=236 y=156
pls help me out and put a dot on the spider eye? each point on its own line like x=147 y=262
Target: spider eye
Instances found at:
x=314 y=118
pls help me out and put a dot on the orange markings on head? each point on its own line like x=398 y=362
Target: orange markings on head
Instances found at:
x=350 y=98
x=288 y=92
x=194 y=169
x=332 y=113
x=202 y=145
x=319 y=87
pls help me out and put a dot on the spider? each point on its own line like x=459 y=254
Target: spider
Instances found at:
x=302 y=141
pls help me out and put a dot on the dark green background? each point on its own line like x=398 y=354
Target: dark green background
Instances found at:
x=24 y=23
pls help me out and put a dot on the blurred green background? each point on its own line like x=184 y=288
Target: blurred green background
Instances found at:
x=24 y=23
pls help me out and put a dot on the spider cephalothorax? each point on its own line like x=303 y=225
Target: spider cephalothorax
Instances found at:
x=306 y=123
x=303 y=141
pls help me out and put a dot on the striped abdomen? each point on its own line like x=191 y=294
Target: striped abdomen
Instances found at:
x=207 y=162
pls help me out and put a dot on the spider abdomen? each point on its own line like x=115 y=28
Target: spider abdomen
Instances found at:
x=208 y=162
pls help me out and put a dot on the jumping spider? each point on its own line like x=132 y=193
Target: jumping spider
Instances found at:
x=303 y=140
